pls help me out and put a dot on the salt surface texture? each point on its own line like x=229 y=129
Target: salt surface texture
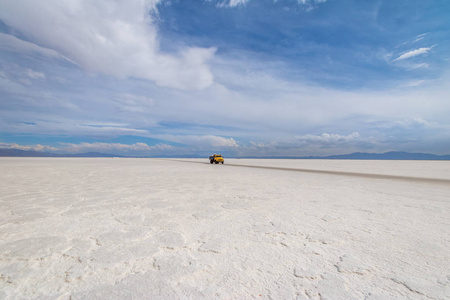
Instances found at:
x=164 y=229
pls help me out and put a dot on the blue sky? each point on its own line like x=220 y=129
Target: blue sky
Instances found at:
x=240 y=77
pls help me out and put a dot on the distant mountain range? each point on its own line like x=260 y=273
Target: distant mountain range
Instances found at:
x=357 y=155
x=393 y=155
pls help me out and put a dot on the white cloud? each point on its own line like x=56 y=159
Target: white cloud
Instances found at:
x=232 y=3
x=415 y=122
x=415 y=83
x=112 y=37
x=309 y=1
x=235 y=3
x=218 y=141
x=420 y=37
x=19 y=75
x=88 y=128
x=199 y=141
x=37 y=147
x=133 y=103
x=130 y=149
x=419 y=66
x=11 y=43
x=413 y=53
x=35 y=75
x=259 y=145
x=112 y=147
x=328 y=137
x=62 y=125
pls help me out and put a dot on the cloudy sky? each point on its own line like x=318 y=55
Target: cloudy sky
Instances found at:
x=240 y=77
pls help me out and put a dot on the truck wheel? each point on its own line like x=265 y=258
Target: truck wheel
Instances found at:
x=222 y=163
x=210 y=161
x=216 y=162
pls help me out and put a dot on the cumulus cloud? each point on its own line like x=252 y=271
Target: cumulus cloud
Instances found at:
x=116 y=38
x=37 y=147
x=413 y=53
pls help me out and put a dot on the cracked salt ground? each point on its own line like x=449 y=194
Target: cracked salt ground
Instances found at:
x=117 y=229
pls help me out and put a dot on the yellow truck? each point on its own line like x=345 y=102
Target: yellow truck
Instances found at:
x=216 y=158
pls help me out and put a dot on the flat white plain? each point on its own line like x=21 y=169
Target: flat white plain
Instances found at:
x=115 y=228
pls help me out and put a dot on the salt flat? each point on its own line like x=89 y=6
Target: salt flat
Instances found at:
x=110 y=228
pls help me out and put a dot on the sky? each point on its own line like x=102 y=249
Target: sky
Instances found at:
x=237 y=77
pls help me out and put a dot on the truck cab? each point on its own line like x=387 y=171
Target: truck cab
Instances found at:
x=216 y=158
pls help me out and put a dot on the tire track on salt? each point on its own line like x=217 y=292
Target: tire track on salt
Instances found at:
x=330 y=172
